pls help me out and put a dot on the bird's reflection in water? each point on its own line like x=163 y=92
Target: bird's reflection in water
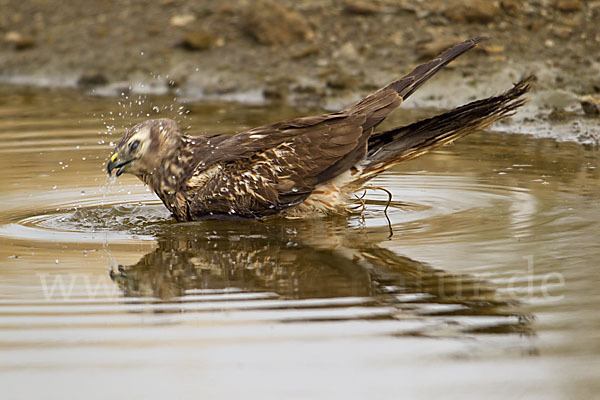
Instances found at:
x=308 y=260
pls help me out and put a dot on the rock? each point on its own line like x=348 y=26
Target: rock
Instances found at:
x=361 y=7
x=305 y=88
x=590 y=105
x=569 y=5
x=273 y=93
x=276 y=90
x=305 y=51
x=92 y=79
x=182 y=20
x=511 y=7
x=341 y=80
x=574 y=20
x=199 y=40
x=534 y=25
x=347 y=52
x=397 y=39
x=18 y=40
x=272 y=24
x=472 y=11
x=562 y=32
x=226 y=9
x=560 y=115
x=154 y=29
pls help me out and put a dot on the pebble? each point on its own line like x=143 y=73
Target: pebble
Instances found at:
x=569 y=5
x=92 y=79
x=472 y=11
x=182 y=20
x=358 y=7
x=341 y=80
x=18 y=40
x=347 y=52
x=272 y=24
x=511 y=7
x=305 y=51
x=200 y=39
x=590 y=105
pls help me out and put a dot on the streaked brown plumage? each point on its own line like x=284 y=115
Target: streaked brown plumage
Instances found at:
x=302 y=167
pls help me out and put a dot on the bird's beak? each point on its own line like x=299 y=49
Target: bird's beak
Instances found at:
x=115 y=163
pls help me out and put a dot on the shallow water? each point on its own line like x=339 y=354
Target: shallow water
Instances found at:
x=488 y=287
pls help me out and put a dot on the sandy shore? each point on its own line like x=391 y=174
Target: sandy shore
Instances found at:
x=313 y=53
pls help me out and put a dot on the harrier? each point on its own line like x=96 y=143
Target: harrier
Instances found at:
x=303 y=167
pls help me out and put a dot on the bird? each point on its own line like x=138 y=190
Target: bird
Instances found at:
x=304 y=167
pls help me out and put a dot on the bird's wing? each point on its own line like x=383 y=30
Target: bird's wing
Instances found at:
x=276 y=166
x=328 y=138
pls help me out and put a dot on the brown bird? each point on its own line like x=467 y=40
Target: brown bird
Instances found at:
x=308 y=166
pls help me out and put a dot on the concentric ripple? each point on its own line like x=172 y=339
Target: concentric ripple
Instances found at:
x=93 y=218
x=417 y=199
x=102 y=279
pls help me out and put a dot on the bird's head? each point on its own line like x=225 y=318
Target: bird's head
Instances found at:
x=144 y=147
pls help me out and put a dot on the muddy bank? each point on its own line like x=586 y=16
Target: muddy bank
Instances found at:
x=313 y=53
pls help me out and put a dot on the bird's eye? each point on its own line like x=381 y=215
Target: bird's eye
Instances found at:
x=134 y=145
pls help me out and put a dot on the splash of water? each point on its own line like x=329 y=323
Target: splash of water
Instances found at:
x=105 y=189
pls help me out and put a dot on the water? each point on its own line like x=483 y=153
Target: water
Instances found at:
x=487 y=289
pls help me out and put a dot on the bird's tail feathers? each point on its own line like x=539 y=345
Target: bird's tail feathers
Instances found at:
x=407 y=85
x=378 y=105
x=407 y=142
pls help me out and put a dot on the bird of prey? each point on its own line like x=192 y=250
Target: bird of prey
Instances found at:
x=303 y=167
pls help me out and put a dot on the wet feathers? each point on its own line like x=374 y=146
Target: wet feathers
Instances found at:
x=304 y=166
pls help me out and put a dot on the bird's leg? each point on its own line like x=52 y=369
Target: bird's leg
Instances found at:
x=387 y=217
x=361 y=200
